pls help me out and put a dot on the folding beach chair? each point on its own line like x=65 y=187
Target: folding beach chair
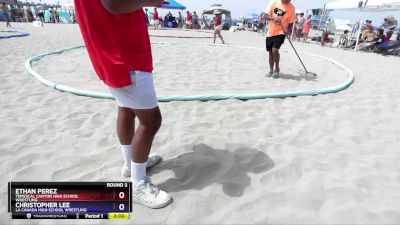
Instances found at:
x=389 y=47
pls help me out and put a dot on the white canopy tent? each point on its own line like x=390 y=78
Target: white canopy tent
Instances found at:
x=339 y=25
x=217 y=8
x=364 y=6
x=369 y=6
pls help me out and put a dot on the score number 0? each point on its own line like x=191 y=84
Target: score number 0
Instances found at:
x=121 y=195
x=121 y=206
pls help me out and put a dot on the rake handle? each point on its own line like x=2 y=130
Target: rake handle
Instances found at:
x=290 y=41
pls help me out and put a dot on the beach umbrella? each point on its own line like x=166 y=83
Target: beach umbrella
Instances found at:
x=172 y=4
x=217 y=7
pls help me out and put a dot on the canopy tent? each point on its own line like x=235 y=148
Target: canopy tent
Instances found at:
x=217 y=8
x=371 y=5
x=339 y=25
x=172 y=4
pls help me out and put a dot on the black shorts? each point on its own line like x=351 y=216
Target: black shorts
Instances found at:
x=274 y=42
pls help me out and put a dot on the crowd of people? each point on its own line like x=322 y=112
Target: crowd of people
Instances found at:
x=302 y=27
x=372 y=38
x=379 y=39
x=22 y=12
x=190 y=21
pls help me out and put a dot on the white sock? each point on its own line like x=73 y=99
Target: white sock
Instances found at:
x=138 y=172
x=127 y=154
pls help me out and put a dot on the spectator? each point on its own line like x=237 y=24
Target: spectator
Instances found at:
x=195 y=20
x=41 y=16
x=146 y=15
x=369 y=38
x=156 y=18
x=365 y=28
x=344 y=38
x=390 y=24
x=218 y=27
x=6 y=12
x=299 y=26
x=189 y=20
x=381 y=37
x=180 y=20
x=51 y=15
x=57 y=16
x=326 y=39
x=307 y=27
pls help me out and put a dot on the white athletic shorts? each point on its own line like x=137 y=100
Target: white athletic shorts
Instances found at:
x=140 y=94
x=219 y=27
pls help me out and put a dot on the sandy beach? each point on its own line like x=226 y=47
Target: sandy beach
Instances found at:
x=327 y=159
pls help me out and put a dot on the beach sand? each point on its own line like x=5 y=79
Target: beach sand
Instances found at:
x=328 y=159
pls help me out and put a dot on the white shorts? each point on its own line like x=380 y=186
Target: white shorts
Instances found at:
x=140 y=94
x=219 y=27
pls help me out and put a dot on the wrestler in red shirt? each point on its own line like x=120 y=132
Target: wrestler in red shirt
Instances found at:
x=116 y=36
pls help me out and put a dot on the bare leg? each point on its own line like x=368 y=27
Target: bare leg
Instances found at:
x=215 y=35
x=305 y=37
x=125 y=125
x=271 y=61
x=276 y=56
x=220 y=36
x=150 y=122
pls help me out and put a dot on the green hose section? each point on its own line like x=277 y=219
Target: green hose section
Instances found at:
x=209 y=97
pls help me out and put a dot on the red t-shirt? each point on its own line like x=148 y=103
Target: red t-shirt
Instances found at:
x=117 y=44
x=218 y=21
x=155 y=17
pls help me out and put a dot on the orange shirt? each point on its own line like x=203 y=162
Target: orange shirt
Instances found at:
x=286 y=12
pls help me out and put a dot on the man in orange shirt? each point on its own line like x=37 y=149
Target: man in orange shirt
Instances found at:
x=281 y=15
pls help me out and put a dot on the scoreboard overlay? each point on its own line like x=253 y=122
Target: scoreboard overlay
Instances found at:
x=70 y=200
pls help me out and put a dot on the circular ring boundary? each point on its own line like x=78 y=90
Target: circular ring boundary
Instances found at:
x=209 y=97
x=188 y=37
x=19 y=33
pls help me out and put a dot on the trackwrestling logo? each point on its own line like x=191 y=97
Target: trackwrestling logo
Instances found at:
x=279 y=12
